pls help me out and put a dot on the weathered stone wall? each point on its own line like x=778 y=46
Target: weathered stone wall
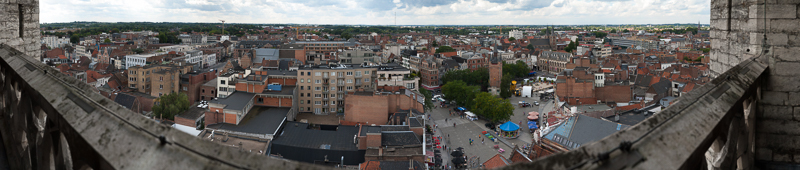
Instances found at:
x=30 y=40
x=738 y=29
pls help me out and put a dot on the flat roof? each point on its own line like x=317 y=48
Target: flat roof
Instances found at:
x=285 y=90
x=299 y=134
x=281 y=73
x=592 y=107
x=339 y=67
x=236 y=101
x=260 y=120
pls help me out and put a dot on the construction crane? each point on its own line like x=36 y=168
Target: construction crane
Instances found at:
x=223 y=27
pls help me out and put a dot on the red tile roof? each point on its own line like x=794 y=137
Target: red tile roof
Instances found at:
x=371 y=165
x=688 y=87
x=496 y=162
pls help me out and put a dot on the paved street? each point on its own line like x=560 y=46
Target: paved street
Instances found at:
x=464 y=130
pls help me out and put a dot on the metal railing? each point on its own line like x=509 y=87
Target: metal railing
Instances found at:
x=712 y=126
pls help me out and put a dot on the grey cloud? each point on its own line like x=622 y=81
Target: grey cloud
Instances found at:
x=317 y=3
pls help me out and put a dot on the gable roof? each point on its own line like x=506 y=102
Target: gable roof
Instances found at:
x=125 y=100
x=496 y=161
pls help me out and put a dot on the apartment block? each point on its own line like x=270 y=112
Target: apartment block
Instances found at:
x=322 y=87
x=156 y=80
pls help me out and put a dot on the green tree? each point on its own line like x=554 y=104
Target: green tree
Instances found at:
x=444 y=49
x=138 y=50
x=613 y=31
x=346 y=35
x=428 y=105
x=492 y=108
x=505 y=86
x=625 y=31
x=530 y=46
x=106 y=41
x=434 y=44
x=511 y=39
x=167 y=106
x=599 y=34
x=571 y=46
x=460 y=92
x=705 y=50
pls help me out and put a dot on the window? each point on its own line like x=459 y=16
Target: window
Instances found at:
x=349 y=87
x=159 y=94
x=317 y=102
x=308 y=80
x=333 y=102
x=302 y=108
x=301 y=87
x=308 y=87
x=316 y=110
x=333 y=88
x=366 y=72
x=260 y=100
x=333 y=95
x=133 y=79
x=302 y=73
x=203 y=90
x=223 y=89
x=333 y=73
x=308 y=94
x=317 y=88
x=317 y=95
x=161 y=86
x=160 y=78
x=308 y=73
x=308 y=101
x=349 y=80
x=366 y=80
x=318 y=74
x=349 y=73
x=222 y=82
x=316 y=81
x=301 y=94
x=184 y=88
x=302 y=81
x=358 y=73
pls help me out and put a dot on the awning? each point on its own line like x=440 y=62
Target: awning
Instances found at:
x=532 y=125
x=430 y=87
x=533 y=115
x=509 y=126
x=461 y=108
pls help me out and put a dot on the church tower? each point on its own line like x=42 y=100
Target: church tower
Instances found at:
x=495 y=74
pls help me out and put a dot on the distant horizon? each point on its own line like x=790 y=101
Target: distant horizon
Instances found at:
x=382 y=12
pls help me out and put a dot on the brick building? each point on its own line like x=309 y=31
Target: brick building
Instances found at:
x=375 y=107
x=429 y=73
x=495 y=75
x=156 y=80
x=192 y=82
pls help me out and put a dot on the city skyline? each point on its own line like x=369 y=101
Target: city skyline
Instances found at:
x=366 y=12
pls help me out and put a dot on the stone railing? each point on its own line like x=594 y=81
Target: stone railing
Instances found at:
x=711 y=127
x=48 y=119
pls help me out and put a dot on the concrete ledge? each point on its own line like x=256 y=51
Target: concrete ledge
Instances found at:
x=684 y=131
x=120 y=138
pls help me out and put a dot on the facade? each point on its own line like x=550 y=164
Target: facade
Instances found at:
x=516 y=34
x=139 y=59
x=55 y=42
x=429 y=73
x=322 y=87
x=191 y=83
x=393 y=74
x=358 y=56
x=553 y=62
x=327 y=46
x=635 y=43
x=156 y=80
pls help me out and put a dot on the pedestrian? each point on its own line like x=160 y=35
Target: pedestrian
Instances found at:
x=482 y=141
x=454 y=124
x=445 y=120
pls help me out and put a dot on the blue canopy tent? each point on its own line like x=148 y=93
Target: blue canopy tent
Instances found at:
x=532 y=125
x=461 y=109
x=509 y=130
x=532 y=73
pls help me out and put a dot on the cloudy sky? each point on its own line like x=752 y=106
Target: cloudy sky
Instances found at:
x=381 y=12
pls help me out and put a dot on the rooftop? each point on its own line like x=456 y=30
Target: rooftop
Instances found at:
x=400 y=138
x=235 y=101
x=260 y=120
x=298 y=134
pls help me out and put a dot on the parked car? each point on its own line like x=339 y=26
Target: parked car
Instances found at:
x=536 y=103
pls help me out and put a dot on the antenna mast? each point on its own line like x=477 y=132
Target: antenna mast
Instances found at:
x=223 y=27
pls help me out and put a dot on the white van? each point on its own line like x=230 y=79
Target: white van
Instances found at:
x=471 y=116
